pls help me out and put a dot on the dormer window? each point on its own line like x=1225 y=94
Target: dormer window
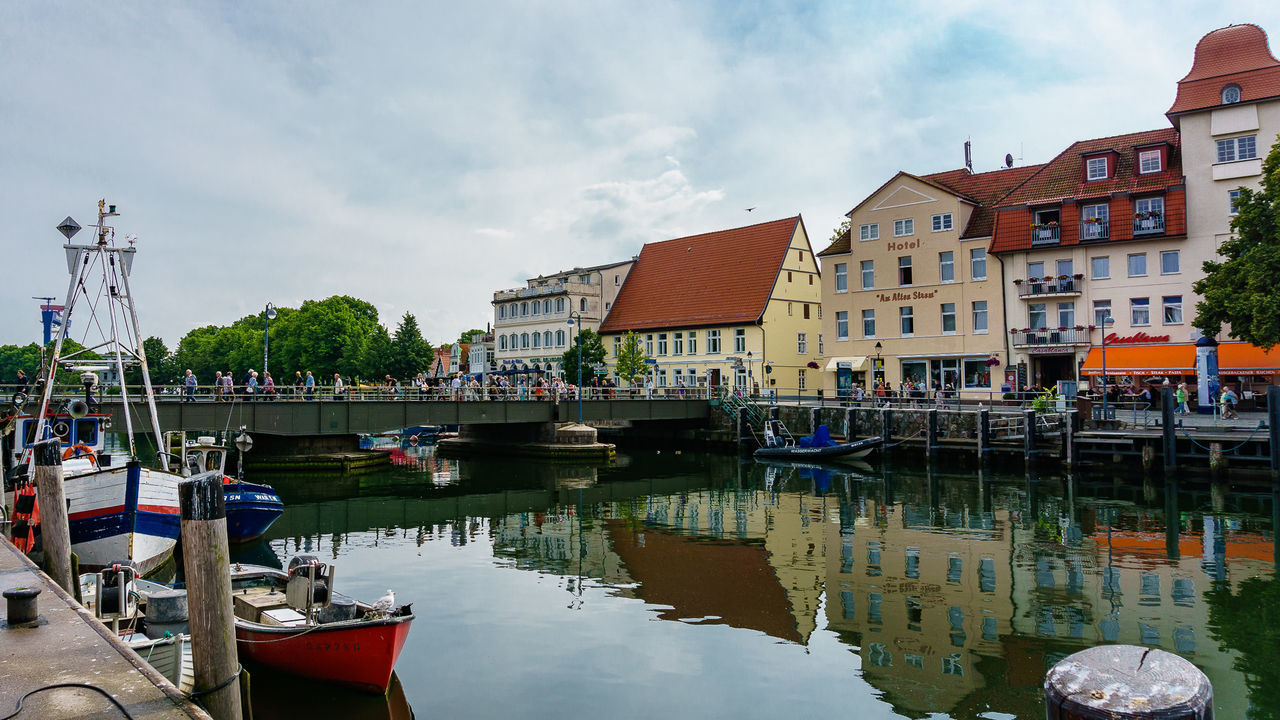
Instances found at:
x=1148 y=161
x=1230 y=94
x=1096 y=168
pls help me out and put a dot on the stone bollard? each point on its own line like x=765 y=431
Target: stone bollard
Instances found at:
x=1125 y=681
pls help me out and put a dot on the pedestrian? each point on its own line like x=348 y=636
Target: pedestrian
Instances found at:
x=217 y=386
x=310 y=384
x=228 y=389
x=268 y=386
x=1229 y=400
x=337 y=386
x=189 y=387
x=251 y=387
x=248 y=375
x=23 y=385
x=1181 y=396
x=298 y=383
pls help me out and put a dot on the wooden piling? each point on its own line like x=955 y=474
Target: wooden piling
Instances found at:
x=1148 y=457
x=886 y=424
x=1112 y=681
x=1029 y=433
x=55 y=529
x=931 y=441
x=1069 y=438
x=984 y=435
x=1217 y=460
x=1170 y=431
x=206 y=564
x=850 y=424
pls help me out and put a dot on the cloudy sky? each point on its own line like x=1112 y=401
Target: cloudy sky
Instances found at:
x=421 y=155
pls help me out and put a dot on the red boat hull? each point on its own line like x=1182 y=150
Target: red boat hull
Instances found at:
x=359 y=654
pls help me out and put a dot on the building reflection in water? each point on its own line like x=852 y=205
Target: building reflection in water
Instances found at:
x=957 y=594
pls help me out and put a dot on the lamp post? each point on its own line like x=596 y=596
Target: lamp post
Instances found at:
x=270 y=314
x=1106 y=322
x=748 y=372
x=575 y=318
x=877 y=366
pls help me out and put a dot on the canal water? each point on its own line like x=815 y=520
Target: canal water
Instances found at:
x=696 y=585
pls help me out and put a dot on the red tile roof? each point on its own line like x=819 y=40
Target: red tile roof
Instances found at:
x=719 y=278
x=1063 y=177
x=985 y=189
x=1236 y=54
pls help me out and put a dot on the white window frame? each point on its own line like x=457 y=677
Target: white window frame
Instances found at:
x=662 y=344
x=907 y=316
x=1166 y=306
x=1033 y=272
x=1233 y=198
x=713 y=342
x=870 y=231
x=677 y=343
x=1042 y=311
x=1177 y=262
x=869 y=316
x=865 y=268
x=802 y=343
x=1092 y=166
x=978 y=258
x=1093 y=267
x=1149 y=162
x=1129 y=264
x=842 y=277
x=1066 y=313
x=1137 y=305
x=947 y=266
x=904 y=227
x=842 y=325
x=693 y=343
x=955 y=324
x=1230 y=94
x=942 y=222
x=739 y=340
x=905 y=266
x=980 y=318
x=1101 y=311
x=1236 y=149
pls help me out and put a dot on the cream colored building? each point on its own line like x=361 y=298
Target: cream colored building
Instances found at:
x=738 y=307
x=909 y=293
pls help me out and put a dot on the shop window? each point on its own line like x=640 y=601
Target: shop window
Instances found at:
x=977 y=374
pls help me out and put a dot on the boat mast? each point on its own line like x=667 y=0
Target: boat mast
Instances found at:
x=110 y=267
x=77 y=268
x=141 y=354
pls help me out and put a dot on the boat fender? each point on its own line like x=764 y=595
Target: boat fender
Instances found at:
x=77 y=451
x=298 y=564
x=19 y=399
x=61 y=429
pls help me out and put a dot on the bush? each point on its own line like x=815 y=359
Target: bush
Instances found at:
x=1009 y=396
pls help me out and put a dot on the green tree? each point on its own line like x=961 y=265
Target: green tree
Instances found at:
x=410 y=353
x=378 y=356
x=631 y=358
x=841 y=229
x=466 y=335
x=592 y=353
x=1241 y=290
x=159 y=363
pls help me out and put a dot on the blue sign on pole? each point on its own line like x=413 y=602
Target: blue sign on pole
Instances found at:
x=650 y=361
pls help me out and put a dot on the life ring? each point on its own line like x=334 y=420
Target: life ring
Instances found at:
x=19 y=399
x=413 y=440
x=76 y=450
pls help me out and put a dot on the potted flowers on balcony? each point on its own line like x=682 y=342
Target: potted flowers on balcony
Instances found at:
x=1017 y=281
x=1078 y=328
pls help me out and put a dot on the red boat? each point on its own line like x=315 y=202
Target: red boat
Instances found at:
x=293 y=622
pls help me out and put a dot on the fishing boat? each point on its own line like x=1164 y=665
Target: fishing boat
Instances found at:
x=116 y=511
x=294 y=622
x=251 y=507
x=779 y=444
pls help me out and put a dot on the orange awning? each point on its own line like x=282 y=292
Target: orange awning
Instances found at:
x=1174 y=359
x=1244 y=358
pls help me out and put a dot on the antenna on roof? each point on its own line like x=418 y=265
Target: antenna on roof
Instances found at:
x=968 y=155
x=1008 y=160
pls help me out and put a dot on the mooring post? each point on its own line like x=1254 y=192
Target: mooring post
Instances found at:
x=743 y=425
x=931 y=443
x=984 y=435
x=886 y=424
x=850 y=424
x=1217 y=460
x=1069 y=437
x=815 y=417
x=1170 y=432
x=1110 y=681
x=1148 y=457
x=1029 y=433
x=1273 y=424
x=206 y=564
x=55 y=530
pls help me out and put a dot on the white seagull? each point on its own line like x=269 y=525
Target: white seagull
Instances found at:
x=385 y=603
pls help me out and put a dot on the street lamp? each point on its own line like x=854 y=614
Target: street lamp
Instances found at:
x=748 y=372
x=575 y=318
x=1106 y=321
x=877 y=366
x=270 y=313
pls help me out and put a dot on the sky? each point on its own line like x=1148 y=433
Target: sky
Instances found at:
x=423 y=155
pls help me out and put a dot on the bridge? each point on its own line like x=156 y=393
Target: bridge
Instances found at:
x=325 y=416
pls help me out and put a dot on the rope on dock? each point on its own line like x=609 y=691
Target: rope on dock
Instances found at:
x=1237 y=447
x=85 y=686
x=197 y=694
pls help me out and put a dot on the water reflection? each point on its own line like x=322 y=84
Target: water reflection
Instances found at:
x=948 y=593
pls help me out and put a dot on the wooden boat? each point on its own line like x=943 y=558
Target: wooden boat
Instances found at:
x=293 y=622
x=778 y=444
x=170 y=656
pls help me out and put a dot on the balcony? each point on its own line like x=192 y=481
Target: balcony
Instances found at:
x=1094 y=230
x=1051 y=285
x=1045 y=233
x=1148 y=223
x=1032 y=338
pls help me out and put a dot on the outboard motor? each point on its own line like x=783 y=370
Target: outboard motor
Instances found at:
x=309 y=583
x=117 y=594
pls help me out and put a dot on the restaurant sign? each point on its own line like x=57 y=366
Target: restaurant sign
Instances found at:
x=1114 y=339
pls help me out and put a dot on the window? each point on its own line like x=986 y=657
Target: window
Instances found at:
x=546 y=338
x=546 y=306
x=904 y=270
x=1233 y=202
x=869 y=232
x=820 y=350
x=979 y=316
x=978 y=263
x=560 y=338
x=1169 y=262
x=740 y=340
x=1095 y=222
x=1035 y=270
x=524 y=308
x=585 y=279
x=677 y=344
x=1037 y=317
x=502 y=342
x=617 y=345
x=788 y=276
x=1148 y=161
x=789 y=309
x=582 y=305
x=524 y=341
x=537 y=307
x=617 y=280
x=942 y=222
x=907 y=317
x=806 y=309
x=662 y=343
x=1066 y=314
x=868 y=323
x=693 y=342
x=1101 y=311
x=1138 y=265
x=537 y=340
x=868 y=268
x=802 y=343
x=811 y=279
x=948 y=318
x=904 y=227
x=559 y=305
x=1172 y=305
x=1140 y=311
x=977 y=374
x=713 y=342
x=1065 y=267
x=842 y=325
x=1097 y=168
x=648 y=345
x=1100 y=267
x=1241 y=148
x=842 y=277
x=947 y=267
x=1230 y=94
x=502 y=312
x=800 y=379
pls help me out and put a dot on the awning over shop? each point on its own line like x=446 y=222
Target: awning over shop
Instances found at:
x=1177 y=359
x=856 y=363
x=1244 y=358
